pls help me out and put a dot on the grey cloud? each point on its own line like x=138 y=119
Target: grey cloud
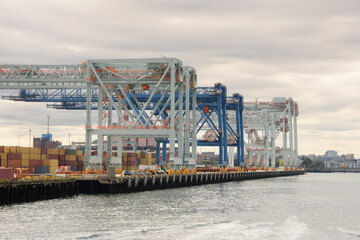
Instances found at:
x=307 y=50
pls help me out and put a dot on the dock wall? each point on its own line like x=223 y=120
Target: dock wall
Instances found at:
x=20 y=192
x=154 y=182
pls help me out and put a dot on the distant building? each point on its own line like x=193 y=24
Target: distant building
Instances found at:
x=331 y=154
x=206 y=157
x=340 y=163
x=46 y=142
x=349 y=156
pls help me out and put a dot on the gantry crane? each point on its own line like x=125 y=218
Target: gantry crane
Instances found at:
x=263 y=123
x=118 y=79
x=215 y=111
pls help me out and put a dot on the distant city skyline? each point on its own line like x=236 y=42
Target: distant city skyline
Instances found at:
x=307 y=50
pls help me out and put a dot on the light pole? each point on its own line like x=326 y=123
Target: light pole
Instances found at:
x=29 y=142
x=69 y=139
x=29 y=138
x=48 y=131
x=48 y=126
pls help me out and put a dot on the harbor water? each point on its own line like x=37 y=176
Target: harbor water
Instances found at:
x=310 y=206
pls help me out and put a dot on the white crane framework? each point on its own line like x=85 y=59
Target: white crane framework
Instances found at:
x=263 y=123
x=163 y=114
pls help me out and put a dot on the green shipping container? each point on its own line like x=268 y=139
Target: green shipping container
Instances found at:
x=70 y=152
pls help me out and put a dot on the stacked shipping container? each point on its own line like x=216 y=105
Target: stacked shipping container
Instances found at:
x=40 y=160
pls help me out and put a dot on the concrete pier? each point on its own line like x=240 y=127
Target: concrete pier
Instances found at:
x=145 y=183
x=19 y=192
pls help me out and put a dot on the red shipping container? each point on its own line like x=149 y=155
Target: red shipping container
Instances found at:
x=43 y=151
x=71 y=163
x=35 y=163
x=6 y=173
x=32 y=170
x=80 y=166
x=14 y=163
x=62 y=157
x=14 y=156
x=54 y=156
x=62 y=162
x=1 y=149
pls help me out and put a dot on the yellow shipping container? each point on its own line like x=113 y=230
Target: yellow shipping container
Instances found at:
x=70 y=157
x=79 y=153
x=35 y=156
x=53 y=169
x=61 y=151
x=25 y=156
x=53 y=163
x=27 y=150
x=35 y=151
x=53 y=151
x=43 y=156
x=23 y=150
x=25 y=162
x=6 y=149
x=3 y=157
x=13 y=149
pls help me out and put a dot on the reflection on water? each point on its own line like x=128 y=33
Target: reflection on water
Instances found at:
x=314 y=206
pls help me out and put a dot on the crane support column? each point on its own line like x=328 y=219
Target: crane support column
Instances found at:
x=266 y=138
x=273 y=157
x=291 y=136
x=285 y=151
x=295 y=136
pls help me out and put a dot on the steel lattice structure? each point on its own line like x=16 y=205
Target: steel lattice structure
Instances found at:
x=223 y=109
x=162 y=101
x=263 y=123
x=159 y=81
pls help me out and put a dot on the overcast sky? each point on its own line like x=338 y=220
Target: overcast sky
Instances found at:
x=308 y=50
